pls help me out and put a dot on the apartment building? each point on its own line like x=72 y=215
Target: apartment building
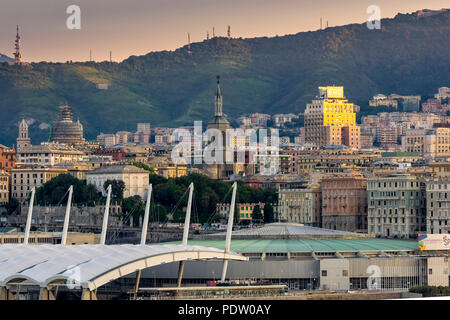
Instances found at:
x=24 y=179
x=438 y=205
x=344 y=202
x=4 y=187
x=300 y=205
x=396 y=205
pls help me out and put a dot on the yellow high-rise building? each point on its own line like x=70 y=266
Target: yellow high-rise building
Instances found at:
x=330 y=119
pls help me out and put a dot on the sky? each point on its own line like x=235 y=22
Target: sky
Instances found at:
x=136 y=27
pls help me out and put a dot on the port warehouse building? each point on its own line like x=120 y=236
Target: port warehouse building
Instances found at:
x=304 y=257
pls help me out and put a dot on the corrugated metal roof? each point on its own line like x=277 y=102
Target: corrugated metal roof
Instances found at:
x=310 y=245
x=284 y=231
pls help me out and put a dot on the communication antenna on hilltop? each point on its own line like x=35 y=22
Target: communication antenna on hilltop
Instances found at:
x=189 y=44
x=229 y=32
x=207 y=35
x=110 y=56
x=320 y=23
x=90 y=54
x=214 y=33
x=17 y=54
x=327 y=23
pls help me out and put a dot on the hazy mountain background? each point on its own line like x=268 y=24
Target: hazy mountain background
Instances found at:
x=409 y=55
x=5 y=58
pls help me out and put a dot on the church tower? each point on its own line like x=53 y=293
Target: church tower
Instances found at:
x=23 y=141
x=218 y=121
x=220 y=170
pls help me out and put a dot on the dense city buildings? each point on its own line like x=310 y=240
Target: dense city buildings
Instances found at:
x=165 y=167
x=406 y=103
x=49 y=154
x=124 y=137
x=344 y=202
x=321 y=179
x=396 y=205
x=382 y=100
x=326 y=196
x=435 y=106
x=428 y=142
x=387 y=136
x=115 y=153
x=259 y=119
x=410 y=103
x=281 y=119
x=327 y=116
x=443 y=93
x=106 y=140
x=164 y=139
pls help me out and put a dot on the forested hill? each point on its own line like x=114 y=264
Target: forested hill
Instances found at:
x=409 y=55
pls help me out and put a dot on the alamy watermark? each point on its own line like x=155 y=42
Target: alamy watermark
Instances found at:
x=374 y=21
x=74 y=278
x=73 y=22
x=374 y=279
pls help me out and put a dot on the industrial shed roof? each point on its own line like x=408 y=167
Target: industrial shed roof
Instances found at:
x=311 y=245
x=285 y=231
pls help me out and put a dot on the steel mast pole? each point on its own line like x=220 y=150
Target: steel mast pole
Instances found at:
x=229 y=231
x=105 y=216
x=67 y=217
x=146 y=216
x=187 y=222
x=30 y=214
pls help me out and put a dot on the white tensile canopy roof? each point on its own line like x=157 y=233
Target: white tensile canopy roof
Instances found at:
x=91 y=266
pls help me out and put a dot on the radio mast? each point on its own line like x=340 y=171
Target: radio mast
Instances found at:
x=17 y=54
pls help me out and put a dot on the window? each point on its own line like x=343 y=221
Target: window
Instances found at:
x=324 y=273
x=345 y=273
x=430 y=271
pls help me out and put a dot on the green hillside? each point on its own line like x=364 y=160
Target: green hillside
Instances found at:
x=409 y=55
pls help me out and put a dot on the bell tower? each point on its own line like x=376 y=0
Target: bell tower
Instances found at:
x=23 y=141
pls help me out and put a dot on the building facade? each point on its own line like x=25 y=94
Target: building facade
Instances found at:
x=438 y=205
x=106 y=140
x=49 y=154
x=4 y=187
x=244 y=211
x=428 y=142
x=344 y=202
x=7 y=158
x=136 y=179
x=396 y=205
x=327 y=115
x=301 y=205
x=24 y=179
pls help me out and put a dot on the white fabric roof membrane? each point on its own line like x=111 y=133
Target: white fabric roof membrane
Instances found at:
x=91 y=266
